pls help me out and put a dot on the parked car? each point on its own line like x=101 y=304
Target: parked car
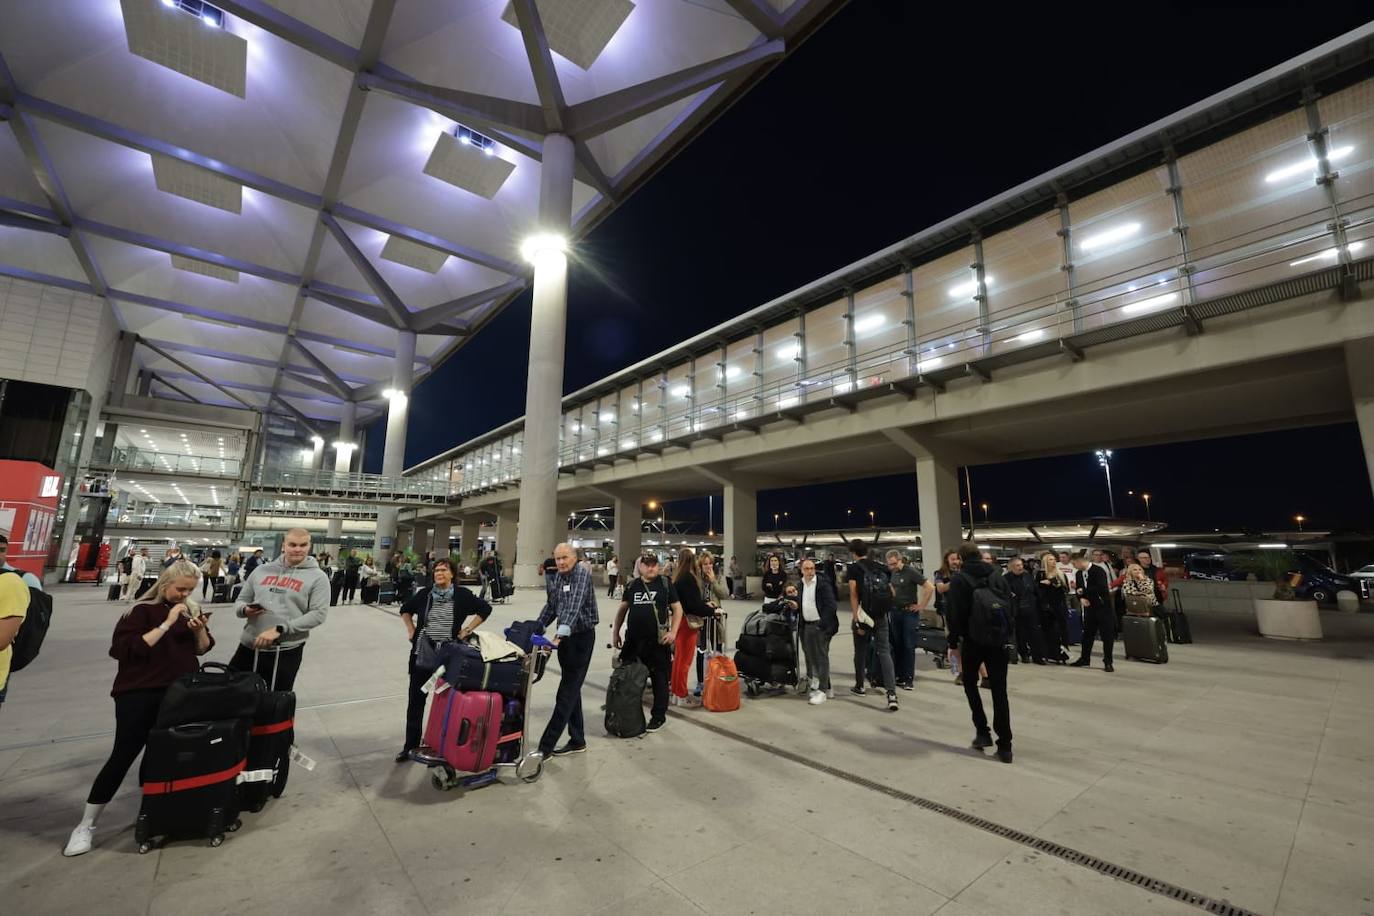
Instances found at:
x=1364 y=572
x=1320 y=582
x=1214 y=566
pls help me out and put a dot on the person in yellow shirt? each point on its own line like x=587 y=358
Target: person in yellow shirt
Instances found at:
x=14 y=604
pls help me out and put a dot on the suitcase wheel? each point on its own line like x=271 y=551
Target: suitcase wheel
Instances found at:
x=256 y=807
x=145 y=847
x=437 y=780
x=234 y=826
x=530 y=777
x=217 y=839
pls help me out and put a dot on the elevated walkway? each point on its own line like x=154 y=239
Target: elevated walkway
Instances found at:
x=331 y=486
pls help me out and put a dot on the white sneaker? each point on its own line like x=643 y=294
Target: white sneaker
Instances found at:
x=817 y=697
x=80 y=842
x=830 y=693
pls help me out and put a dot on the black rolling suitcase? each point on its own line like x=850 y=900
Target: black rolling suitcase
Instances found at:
x=1144 y=639
x=190 y=776
x=371 y=593
x=220 y=593
x=269 y=745
x=1183 y=632
x=113 y=593
x=386 y=592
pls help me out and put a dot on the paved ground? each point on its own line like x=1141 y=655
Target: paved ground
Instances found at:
x=1240 y=771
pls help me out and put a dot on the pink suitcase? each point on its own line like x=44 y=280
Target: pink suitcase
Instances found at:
x=464 y=728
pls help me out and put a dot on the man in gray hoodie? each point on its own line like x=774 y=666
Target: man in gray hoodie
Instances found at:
x=283 y=600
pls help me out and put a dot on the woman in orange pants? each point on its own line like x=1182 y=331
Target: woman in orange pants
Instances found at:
x=688 y=586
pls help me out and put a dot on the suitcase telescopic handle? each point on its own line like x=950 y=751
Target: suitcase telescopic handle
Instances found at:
x=276 y=663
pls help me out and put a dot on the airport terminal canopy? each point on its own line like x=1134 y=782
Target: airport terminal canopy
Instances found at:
x=267 y=193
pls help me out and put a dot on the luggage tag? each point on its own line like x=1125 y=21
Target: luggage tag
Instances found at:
x=301 y=760
x=258 y=775
x=434 y=679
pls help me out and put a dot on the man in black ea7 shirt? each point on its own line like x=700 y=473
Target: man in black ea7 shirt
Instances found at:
x=654 y=613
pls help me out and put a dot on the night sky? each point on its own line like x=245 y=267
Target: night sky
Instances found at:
x=891 y=118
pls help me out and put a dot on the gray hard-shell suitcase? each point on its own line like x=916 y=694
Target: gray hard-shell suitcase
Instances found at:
x=1144 y=638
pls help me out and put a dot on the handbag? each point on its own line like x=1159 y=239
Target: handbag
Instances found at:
x=695 y=622
x=427 y=653
x=214 y=692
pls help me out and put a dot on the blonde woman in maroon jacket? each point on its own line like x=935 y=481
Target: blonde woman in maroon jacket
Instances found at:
x=155 y=642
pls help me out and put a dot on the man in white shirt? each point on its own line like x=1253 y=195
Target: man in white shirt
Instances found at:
x=819 y=623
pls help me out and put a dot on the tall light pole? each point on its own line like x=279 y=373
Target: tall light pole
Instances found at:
x=1146 y=497
x=776 y=516
x=985 y=513
x=872 y=519
x=1104 y=458
x=1299 y=519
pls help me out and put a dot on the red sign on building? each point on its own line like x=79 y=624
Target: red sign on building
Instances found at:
x=28 y=511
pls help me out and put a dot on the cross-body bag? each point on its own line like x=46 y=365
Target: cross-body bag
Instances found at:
x=426 y=650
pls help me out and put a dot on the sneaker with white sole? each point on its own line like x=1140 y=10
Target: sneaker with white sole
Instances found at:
x=830 y=694
x=80 y=841
x=817 y=697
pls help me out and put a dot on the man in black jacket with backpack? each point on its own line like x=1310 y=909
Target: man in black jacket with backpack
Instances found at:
x=870 y=590
x=978 y=612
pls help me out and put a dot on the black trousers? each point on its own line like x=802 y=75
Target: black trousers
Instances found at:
x=1054 y=624
x=350 y=586
x=415 y=704
x=574 y=658
x=610 y=591
x=1030 y=640
x=995 y=660
x=287 y=667
x=1098 y=622
x=658 y=658
x=135 y=716
x=335 y=589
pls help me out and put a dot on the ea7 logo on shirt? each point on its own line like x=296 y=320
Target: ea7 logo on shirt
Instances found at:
x=648 y=599
x=282 y=582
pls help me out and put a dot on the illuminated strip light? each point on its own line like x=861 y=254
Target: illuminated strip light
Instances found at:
x=1330 y=253
x=1028 y=336
x=1146 y=305
x=1307 y=165
x=869 y=323
x=1109 y=236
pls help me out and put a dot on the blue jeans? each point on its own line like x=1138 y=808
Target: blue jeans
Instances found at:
x=903 y=626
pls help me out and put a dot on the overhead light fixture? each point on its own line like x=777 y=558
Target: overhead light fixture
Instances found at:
x=680 y=391
x=607 y=417
x=965 y=290
x=1029 y=336
x=1329 y=254
x=789 y=351
x=1307 y=165
x=1273 y=546
x=869 y=323
x=1150 y=304
x=543 y=245
x=1108 y=236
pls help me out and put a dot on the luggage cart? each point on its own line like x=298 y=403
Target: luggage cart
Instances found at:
x=514 y=750
x=795 y=681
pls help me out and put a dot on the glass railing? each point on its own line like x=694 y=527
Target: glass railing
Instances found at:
x=169 y=517
x=361 y=486
x=136 y=459
x=305 y=508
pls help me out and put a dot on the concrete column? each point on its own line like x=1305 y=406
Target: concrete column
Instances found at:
x=343 y=454
x=1359 y=367
x=123 y=365
x=72 y=510
x=629 y=516
x=507 y=537
x=394 y=454
x=317 y=453
x=420 y=538
x=443 y=530
x=937 y=500
x=544 y=388
x=741 y=527
x=468 y=534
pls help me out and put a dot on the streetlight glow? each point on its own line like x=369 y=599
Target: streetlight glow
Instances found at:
x=1104 y=459
x=537 y=246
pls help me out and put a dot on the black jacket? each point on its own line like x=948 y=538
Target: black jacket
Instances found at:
x=774 y=584
x=1025 y=593
x=825 y=604
x=465 y=604
x=1092 y=584
x=959 y=598
x=689 y=593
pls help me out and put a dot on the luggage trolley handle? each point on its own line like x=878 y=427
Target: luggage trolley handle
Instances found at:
x=276 y=663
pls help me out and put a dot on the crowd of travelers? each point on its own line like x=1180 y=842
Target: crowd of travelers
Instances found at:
x=990 y=616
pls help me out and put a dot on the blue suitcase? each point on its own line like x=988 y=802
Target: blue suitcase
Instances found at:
x=1075 y=626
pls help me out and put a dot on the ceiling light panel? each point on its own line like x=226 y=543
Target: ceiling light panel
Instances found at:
x=413 y=254
x=578 y=29
x=167 y=36
x=195 y=183
x=466 y=166
x=205 y=269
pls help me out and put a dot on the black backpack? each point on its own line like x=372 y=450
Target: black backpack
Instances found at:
x=625 y=700
x=37 y=619
x=989 y=619
x=877 y=589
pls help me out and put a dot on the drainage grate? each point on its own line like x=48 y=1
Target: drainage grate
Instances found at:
x=1111 y=869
